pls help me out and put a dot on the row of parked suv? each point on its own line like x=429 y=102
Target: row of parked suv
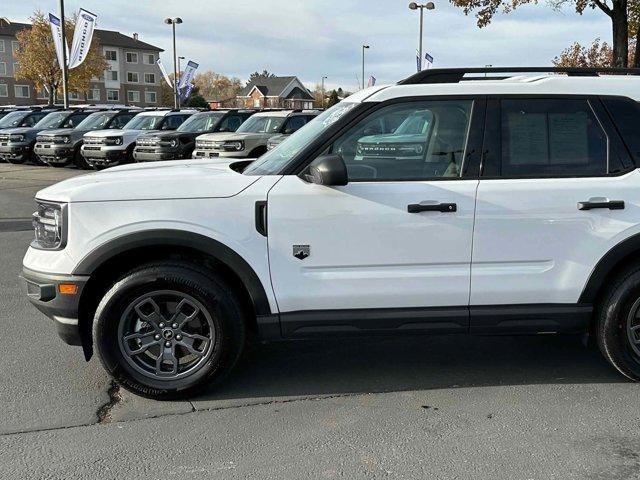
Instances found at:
x=94 y=137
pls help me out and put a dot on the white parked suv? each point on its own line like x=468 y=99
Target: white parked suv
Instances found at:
x=521 y=215
x=106 y=148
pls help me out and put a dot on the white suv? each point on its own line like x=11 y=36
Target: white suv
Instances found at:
x=106 y=148
x=521 y=215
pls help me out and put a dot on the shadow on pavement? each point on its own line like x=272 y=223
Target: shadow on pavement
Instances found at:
x=417 y=363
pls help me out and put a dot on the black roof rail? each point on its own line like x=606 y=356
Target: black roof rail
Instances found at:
x=456 y=75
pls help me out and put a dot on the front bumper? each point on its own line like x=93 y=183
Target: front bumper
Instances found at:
x=97 y=155
x=11 y=150
x=53 y=153
x=151 y=154
x=43 y=291
x=207 y=153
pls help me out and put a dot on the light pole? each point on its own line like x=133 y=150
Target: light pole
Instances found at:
x=180 y=75
x=421 y=7
x=65 y=93
x=173 y=22
x=364 y=47
x=323 y=79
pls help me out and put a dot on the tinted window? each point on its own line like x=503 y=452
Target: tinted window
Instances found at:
x=74 y=120
x=174 y=121
x=121 y=120
x=544 y=137
x=231 y=123
x=411 y=141
x=295 y=123
x=626 y=115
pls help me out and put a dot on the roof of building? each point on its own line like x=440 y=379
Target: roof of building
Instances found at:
x=106 y=37
x=274 y=87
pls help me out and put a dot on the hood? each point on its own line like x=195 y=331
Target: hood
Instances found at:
x=231 y=136
x=152 y=181
x=117 y=132
x=21 y=130
x=57 y=131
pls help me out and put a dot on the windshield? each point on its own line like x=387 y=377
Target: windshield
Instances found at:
x=144 y=122
x=262 y=124
x=200 y=122
x=95 y=121
x=12 y=119
x=53 y=120
x=272 y=162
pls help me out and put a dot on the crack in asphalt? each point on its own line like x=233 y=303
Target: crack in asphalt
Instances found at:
x=115 y=398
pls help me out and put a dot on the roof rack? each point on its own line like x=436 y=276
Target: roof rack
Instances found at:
x=456 y=75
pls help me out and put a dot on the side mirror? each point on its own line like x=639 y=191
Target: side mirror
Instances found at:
x=288 y=131
x=224 y=129
x=328 y=170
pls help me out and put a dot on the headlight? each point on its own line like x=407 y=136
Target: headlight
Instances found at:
x=66 y=139
x=114 y=141
x=16 y=138
x=231 y=146
x=49 y=226
x=174 y=142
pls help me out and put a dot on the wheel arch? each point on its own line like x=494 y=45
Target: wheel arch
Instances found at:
x=111 y=260
x=609 y=265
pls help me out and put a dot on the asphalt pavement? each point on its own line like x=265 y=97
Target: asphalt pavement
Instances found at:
x=414 y=407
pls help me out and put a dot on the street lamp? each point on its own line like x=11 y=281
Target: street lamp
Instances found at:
x=323 y=79
x=65 y=71
x=173 y=22
x=364 y=47
x=421 y=7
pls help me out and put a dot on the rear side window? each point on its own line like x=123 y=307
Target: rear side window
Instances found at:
x=552 y=137
x=626 y=115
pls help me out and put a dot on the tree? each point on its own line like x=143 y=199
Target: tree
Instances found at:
x=333 y=98
x=195 y=100
x=257 y=75
x=599 y=54
x=616 y=10
x=38 y=63
x=214 y=86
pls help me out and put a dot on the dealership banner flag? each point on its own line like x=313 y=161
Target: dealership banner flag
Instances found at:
x=418 y=61
x=164 y=73
x=188 y=74
x=429 y=60
x=82 y=36
x=56 y=32
x=372 y=81
x=186 y=91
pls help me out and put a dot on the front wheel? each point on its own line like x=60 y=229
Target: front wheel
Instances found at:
x=618 y=323
x=166 y=330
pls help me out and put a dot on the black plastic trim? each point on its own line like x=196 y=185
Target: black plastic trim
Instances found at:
x=261 y=217
x=196 y=241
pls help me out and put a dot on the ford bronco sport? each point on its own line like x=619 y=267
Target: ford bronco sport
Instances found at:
x=533 y=227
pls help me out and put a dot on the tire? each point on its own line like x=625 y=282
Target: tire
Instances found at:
x=616 y=316
x=61 y=165
x=80 y=162
x=129 y=349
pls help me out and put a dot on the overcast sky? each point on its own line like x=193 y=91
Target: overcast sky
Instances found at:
x=312 y=38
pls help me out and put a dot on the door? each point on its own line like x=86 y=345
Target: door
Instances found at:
x=548 y=208
x=392 y=248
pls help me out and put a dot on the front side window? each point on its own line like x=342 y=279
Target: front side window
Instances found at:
x=95 y=121
x=74 y=120
x=410 y=141
x=200 y=122
x=174 y=121
x=295 y=123
x=121 y=120
x=551 y=137
x=262 y=124
x=145 y=122
x=53 y=120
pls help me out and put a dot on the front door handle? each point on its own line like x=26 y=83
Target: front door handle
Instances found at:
x=610 y=204
x=437 y=207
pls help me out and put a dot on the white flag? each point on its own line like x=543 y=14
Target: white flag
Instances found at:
x=82 y=36
x=164 y=73
x=56 y=32
x=188 y=74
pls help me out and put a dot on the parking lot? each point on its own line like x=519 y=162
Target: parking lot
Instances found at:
x=422 y=407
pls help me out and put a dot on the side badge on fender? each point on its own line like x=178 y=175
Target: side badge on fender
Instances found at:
x=301 y=251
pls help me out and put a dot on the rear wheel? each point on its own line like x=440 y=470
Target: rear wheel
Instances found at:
x=167 y=330
x=618 y=323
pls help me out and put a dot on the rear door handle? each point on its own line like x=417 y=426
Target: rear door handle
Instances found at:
x=610 y=204
x=437 y=207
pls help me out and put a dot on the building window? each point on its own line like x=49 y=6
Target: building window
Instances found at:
x=74 y=96
x=1 y=46
x=15 y=46
x=93 y=94
x=42 y=94
x=113 y=95
x=111 y=55
x=112 y=75
x=4 y=91
x=150 y=58
x=150 y=97
x=15 y=68
x=22 y=91
x=133 y=96
x=133 y=77
x=132 y=57
x=3 y=69
x=150 y=78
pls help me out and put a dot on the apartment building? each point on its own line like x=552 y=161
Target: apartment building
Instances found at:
x=133 y=77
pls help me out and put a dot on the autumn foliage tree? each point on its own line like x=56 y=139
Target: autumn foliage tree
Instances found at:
x=599 y=54
x=38 y=63
x=214 y=86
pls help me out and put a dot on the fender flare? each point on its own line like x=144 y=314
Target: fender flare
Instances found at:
x=607 y=264
x=202 y=243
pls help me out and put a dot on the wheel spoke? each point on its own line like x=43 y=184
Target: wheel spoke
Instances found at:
x=154 y=317
x=188 y=341
x=167 y=354
x=182 y=318
x=146 y=341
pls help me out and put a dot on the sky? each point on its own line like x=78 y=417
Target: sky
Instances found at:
x=315 y=38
